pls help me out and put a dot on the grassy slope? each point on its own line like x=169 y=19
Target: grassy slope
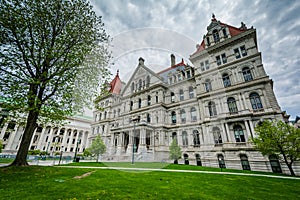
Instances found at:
x=58 y=183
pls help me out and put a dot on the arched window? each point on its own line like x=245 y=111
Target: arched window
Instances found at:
x=207 y=41
x=207 y=85
x=173 y=117
x=172 y=97
x=182 y=116
x=217 y=135
x=149 y=100
x=212 y=109
x=255 y=101
x=100 y=116
x=193 y=114
x=247 y=74
x=198 y=160
x=148 y=81
x=275 y=165
x=216 y=35
x=232 y=105
x=174 y=136
x=239 y=134
x=191 y=92
x=224 y=33
x=105 y=114
x=184 y=139
x=221 y=161
x=196 y=137
x=148 y=118
x=140 y=103
x=226 y=80
x=245 y=162
x=181 y=95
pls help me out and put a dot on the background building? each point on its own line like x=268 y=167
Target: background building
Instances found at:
x=210 y=108
x=49 y=138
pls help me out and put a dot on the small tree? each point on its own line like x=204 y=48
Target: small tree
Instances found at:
x=87 y=152
x=281 y=139
x=97 y=147
x=175 y=151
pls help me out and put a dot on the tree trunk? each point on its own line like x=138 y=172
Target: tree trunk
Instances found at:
x=289 y=164
x=21 y=158
x=291 y=169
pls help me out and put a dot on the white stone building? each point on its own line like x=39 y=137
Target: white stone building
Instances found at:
x=210 y=108
x=49 y=138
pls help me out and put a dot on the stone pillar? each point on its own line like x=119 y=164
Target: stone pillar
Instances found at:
x=41 y=140
x=142 y=145
x=70 y=140
x=225 y=133
x=12 y=138
x=248 y=131
x=228 y=133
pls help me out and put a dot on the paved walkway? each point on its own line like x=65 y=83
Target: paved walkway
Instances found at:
x=183 y=171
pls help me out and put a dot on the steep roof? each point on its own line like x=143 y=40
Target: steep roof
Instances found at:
x=116 y=84
x=172 y=67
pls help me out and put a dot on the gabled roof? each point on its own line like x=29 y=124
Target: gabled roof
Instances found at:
x=116 y=84
x=172 y=67
x=232 y=30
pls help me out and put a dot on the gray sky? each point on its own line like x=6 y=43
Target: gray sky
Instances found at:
x=155 y=29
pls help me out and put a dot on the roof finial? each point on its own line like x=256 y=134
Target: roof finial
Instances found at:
x=118 y=72
x=213 y=16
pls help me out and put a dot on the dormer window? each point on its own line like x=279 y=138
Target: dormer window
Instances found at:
x=216 y=36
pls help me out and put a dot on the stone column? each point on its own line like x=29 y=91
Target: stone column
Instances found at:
x=248 y=131
x=142 y=145
x=12 y=138
x=41 y=139
x=70 y=140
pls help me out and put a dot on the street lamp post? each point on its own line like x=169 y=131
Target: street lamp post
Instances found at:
x=61 y=152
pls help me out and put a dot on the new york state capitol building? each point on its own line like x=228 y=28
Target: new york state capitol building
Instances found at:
x=210 y=108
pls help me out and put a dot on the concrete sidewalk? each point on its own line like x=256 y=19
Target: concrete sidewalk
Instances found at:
x=184 y=171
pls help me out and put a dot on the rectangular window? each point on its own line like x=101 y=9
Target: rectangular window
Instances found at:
x=188 y=74
x=237 y=53
x=206 y=64
x=243 y=50
x=224 y=58
x=202 y=66
x=218 y=60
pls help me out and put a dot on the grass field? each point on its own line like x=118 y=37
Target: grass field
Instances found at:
x=36 y=182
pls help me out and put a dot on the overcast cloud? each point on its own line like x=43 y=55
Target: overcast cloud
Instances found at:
x=155 y=29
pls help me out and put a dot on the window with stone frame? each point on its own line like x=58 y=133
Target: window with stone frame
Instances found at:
x=196 y=139
x=212 y=109
x=193 y=114
x=181 y=95
x=217 y=135
x=207 y=85
x=140 y=103
x=172 y=97
x=243 y=50
x=237 y=53
x=191 y=92
x=183 y=116
x=184 y=139
x=226 y=80
x=149 y=100
x=173 y=117
x=232 y=107
x=224 y=58
x=239 y=134
x=207 y=65
x=255 y=101
x=247 y=74
x=216 y=35
x=218 y=58
x=148 y=118
x=245 y=162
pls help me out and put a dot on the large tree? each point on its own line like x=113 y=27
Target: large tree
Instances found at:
x=97 y=147
x=52 y=55
x=280 y=139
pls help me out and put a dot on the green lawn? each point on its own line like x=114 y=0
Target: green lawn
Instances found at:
x=37 y=182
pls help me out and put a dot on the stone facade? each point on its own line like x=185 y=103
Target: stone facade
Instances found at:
x=210 y=108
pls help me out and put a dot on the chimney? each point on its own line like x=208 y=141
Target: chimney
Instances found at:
x=141 y=61
x=172 y=60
